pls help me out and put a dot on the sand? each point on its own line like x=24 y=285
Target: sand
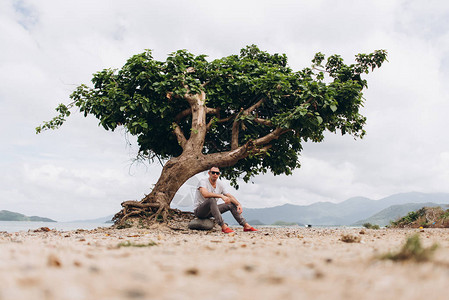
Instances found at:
x=274 y=263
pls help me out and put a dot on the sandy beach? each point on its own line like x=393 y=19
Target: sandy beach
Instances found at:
x=274 y=263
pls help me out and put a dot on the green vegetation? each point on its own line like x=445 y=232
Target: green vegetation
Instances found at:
x=349 y=238
x=6 y=215
x=426 y=217
x=412 y=250
x=130 y=244
x=126 y=224
x=409 y=218
x=445 y=215
x=248 y=113
x=371 y=226
x=393 y=212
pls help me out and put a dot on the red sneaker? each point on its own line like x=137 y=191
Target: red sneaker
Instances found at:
x=250 y=229
x=227 y=230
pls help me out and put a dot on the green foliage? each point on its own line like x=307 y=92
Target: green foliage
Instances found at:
x=349 y=238
x=412 y=250
x=409 y=218
x=370 y=226
x=126 y=224
x=434 y=217
x=445 y=215
x=146 y=97
x=130 y=244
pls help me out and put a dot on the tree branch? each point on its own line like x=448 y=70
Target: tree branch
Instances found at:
x=263 y=121
x=275 y=134
x=215 y=111
x=227 y=158
x=183 y=114
x=179 y=135
x=219 y=121
x=188 y=111
x=235 y=132
x=254 y=107
x=198 y=108
x=236 y=124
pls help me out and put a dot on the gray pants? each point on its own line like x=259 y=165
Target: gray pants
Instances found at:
x=210 y=208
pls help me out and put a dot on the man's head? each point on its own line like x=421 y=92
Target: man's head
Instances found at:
x=214 y=173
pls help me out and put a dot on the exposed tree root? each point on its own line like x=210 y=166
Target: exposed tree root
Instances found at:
x=145 y=214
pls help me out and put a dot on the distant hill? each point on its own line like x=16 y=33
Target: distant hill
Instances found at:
x=325 y=213
x=394 y=212
x=6 y=215
x=107 y=219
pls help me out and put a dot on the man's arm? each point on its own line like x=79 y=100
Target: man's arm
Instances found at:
x=234 y=200
x=207 y=194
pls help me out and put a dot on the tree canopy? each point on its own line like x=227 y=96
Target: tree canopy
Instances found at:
x=253 y=99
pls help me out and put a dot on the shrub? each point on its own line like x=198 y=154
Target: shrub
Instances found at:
x=412 y=250
x=348 y=238
x=371 y=226
x=409 y=218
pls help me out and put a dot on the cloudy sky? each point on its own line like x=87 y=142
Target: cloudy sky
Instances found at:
x=48 y=47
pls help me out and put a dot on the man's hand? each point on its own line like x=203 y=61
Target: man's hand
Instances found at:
x=239 y=209
x=226 y=199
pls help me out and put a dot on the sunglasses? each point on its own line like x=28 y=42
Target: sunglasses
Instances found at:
x=215 y=173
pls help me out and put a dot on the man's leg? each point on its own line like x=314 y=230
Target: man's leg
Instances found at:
x=238 y=217
x=209 y=208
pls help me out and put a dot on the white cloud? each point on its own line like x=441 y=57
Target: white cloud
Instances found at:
x=80 y=171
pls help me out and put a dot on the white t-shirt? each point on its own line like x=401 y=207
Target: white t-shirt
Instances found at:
x=205 y=183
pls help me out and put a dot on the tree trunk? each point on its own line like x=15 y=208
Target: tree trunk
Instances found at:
x=179 y=169
x=157 y=204
x=174 y=174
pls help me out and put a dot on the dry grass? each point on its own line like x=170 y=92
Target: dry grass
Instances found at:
x=412 y=250
x=348 y=238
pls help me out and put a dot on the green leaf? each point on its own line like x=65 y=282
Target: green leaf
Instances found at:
x=150 y=98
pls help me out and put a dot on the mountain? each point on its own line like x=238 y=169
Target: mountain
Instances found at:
x=107 y=219
x=394 y=212
x=326 y=213
x=6 y=215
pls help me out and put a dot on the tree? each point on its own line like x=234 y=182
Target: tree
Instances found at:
x=247 y=114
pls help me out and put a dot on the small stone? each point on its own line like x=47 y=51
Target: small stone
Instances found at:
x=319 y=274
x=248 y=268
x=94 y=269
x=53 y=261
x=135 y=294
x=192 y=271
x=43 y=229
x=77 y=263
x=275 y=279
x=201 y=224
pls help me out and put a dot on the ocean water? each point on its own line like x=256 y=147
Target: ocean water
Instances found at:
x=16 y=226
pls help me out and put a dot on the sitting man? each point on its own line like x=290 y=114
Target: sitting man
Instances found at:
x=206 y=206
